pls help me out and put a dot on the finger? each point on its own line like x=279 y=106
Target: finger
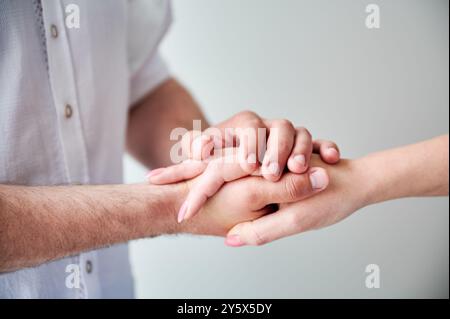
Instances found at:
x=290 y=188
x=265 y=229
x=186 y=142
x=329 y=151
x=215 y=175
x=176 y=173
x=199 y=145
x=291 y=219
x=249 y=136
x=301 y=153
x=279 y=146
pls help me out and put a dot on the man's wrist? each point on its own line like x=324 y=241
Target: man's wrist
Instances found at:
x=160 y=205
x=165 y=201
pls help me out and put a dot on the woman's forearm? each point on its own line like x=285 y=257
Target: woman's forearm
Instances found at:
x=415 y=170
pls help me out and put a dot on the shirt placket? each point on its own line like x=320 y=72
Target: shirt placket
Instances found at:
x=64 y=91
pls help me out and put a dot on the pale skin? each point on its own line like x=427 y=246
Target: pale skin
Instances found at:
x=416 y=170
x=40 y=224
x=354 y=184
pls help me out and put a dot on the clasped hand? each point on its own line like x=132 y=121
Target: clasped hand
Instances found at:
x=256 y=196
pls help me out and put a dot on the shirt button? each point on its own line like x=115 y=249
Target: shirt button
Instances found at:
x=88 y=266
x=54 y=31
x=68 y=112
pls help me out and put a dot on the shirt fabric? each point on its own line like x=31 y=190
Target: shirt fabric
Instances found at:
x=64 y=98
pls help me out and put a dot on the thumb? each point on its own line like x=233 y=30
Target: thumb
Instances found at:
x=291 y=187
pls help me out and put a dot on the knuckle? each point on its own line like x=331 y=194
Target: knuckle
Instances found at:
x=284 y=123
x=256 y=238
x=283 y=145
x=295 y=186
x=259 y=241
x=253 y=124
x=295 y=221
x=252 y=196
x=304 y=131
x=249 y=130
x=247 y=114
x=248 y=167
x=304 y=147
x=291 y=189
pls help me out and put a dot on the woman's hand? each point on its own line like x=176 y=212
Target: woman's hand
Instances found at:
x=415 y=170
x=346 y=193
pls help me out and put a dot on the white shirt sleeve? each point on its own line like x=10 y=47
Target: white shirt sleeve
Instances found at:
x=148 y=22
x=144 y=81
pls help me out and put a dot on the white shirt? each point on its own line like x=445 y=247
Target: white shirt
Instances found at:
x=64 y=98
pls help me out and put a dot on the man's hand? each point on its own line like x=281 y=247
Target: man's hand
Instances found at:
x=273 y=143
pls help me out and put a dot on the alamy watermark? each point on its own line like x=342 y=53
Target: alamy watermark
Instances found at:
x=373 y=17
x=72 y=18
x=73 y=278
x=223 y=143
x=373 y=277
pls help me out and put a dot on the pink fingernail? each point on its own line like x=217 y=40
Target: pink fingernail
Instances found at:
x=274 y=169
x=233 y=241
x=155 y=172
x=182 y=212
x=319 y=179
x=332 y=152
x=251 y=158
x=300 y=159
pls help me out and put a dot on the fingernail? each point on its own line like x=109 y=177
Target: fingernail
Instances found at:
x=233 y=241
x=251 y=158
x=319 y=179
x=182 y=212
x=155 y=172
x=332 y=152
x=274 y=169
x=300 y=159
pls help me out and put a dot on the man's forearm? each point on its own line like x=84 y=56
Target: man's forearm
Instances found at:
x=38 y=224
x=154 y=117
x=415 y=170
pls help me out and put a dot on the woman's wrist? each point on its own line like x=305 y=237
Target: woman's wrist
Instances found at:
x=366 y=178
x=382 y=177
